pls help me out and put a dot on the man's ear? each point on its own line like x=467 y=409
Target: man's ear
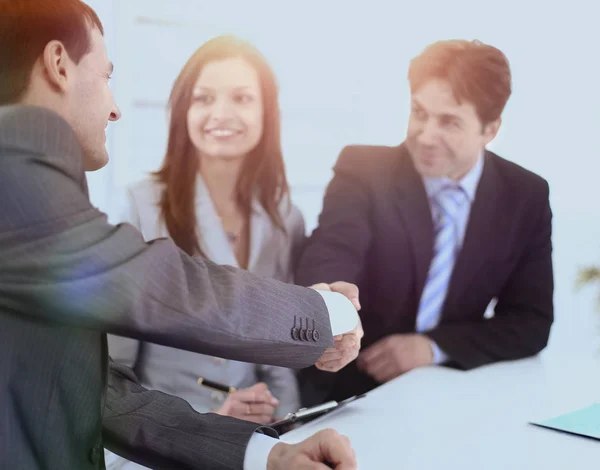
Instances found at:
x=490 y=131
x=55 y=65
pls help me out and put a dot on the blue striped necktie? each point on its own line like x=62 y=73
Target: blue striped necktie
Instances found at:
x=448 y=202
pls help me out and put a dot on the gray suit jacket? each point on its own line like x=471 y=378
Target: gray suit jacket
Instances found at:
x=68 y=277
x=176 y=372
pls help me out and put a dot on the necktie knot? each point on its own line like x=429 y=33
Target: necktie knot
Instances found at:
x=450 y=199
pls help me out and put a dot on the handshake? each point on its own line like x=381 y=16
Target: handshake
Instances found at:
x=347 y=345
x=327 y=448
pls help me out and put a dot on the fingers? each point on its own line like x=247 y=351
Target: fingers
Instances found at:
x=382 y=371
x=358 y=331
x=336 y=450
x=258 y=393
x=331 y=355
x=255 y=404
x=259 y=409
x=242 y=412
x=255 y=412
x=339 y=354
x=346 y=341
x=344 y=288
x=347 y=289
x=331 y=366
x=324 y=450
x=345 y=351
x=259 y=387
x=321 y=286
x=372 y=354
x=337 y=364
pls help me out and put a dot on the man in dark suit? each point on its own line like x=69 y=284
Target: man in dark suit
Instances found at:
x=434 y=230
x=67 y=278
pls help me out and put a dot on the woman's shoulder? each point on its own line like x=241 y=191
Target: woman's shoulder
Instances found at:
x=145 y=192
x=143 y=205
x=290 y=214
x=148 y=186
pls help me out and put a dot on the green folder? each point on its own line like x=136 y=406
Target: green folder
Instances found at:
x=584 y=422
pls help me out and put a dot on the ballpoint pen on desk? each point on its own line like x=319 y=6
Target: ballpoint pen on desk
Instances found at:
x=304 y=414
x=215 y=385
x=315 y=410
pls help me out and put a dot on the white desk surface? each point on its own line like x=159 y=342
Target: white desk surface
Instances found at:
x=437 y=418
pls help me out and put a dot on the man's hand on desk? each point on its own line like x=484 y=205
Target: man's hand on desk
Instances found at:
x=394 y=355
x=314 y=453
x=347 y=345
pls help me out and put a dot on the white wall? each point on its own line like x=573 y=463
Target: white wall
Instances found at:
x=342 y=70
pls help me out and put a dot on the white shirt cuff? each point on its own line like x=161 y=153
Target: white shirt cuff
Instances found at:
x=258 y=450
x=342 y=314
x=343 y=318
x=439 y=356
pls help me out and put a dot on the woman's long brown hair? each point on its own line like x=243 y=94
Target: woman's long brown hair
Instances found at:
x=262 y=173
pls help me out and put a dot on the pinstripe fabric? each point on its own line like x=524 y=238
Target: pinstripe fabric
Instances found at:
x=174 y=371
x=67 y=277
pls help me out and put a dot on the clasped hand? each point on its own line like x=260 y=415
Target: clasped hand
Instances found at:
x=394 y=355
x=347 y=345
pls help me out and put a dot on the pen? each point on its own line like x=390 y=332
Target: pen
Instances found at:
x=304 y=412
x=215 y=385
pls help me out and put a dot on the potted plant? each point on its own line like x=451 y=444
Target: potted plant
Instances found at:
x=588 y=275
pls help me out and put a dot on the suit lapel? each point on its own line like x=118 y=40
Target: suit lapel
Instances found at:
x=481 y=235
x=414 y=208
x=259 y=225
x=213 y=239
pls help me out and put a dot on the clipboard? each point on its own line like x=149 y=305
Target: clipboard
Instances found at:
x=304 y=415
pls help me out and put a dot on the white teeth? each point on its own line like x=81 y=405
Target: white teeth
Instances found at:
x=221 y=132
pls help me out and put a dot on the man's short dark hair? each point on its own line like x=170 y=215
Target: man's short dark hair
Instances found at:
x=478 y=73
x=27 y=26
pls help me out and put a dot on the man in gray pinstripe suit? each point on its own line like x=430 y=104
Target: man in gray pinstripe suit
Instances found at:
x=67 y=278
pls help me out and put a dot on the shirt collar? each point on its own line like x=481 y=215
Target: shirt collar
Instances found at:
x=468 y=183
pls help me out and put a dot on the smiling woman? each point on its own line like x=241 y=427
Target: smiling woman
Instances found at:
x=222 y=194
x=228 y=93
x=225 y=118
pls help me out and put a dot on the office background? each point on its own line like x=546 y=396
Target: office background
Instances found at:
x=342 y=67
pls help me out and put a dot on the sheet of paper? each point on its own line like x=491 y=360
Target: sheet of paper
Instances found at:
x=584 y=422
